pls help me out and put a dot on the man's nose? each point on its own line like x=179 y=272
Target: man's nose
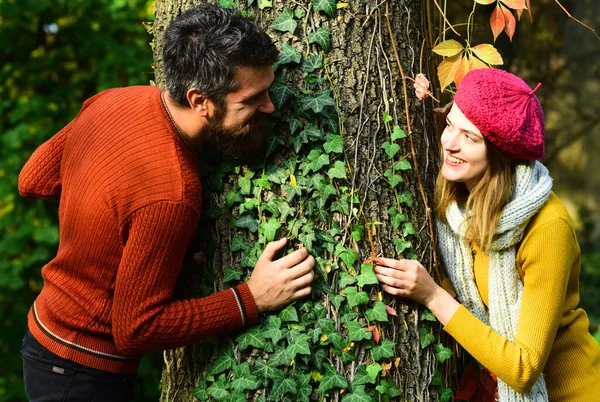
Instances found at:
x=266 y=105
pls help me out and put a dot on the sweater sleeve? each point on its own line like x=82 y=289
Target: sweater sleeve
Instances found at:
x=548 y=254
x=144 y=316
x=40 y=177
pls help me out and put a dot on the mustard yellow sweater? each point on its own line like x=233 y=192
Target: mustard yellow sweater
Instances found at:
x=553 y=334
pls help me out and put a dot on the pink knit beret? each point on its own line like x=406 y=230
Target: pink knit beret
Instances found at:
x=505 y=109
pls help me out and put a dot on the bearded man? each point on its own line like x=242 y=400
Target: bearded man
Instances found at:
x=125 y=172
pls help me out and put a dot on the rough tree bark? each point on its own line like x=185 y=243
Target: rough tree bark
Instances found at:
x=363 y=72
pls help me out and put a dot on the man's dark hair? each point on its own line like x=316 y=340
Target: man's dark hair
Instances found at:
x=203 y=47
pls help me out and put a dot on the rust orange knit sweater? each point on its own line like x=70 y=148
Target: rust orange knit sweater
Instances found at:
x=129 y=205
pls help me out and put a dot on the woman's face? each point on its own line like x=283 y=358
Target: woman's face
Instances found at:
x=465 y=155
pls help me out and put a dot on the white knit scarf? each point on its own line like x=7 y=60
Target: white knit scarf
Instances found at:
x=530 y=192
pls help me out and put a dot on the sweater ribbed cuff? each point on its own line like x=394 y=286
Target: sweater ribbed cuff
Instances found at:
x=248 y=305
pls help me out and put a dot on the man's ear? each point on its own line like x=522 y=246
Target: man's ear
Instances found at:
x=200 y=103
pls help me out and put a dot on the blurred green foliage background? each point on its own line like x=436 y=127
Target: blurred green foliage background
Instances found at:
x=54 y=54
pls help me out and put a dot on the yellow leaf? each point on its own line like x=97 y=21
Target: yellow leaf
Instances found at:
x=293 y=180
x=461 y=68
x=514 y=4
x=475 y=63
x=379 y=296
x=341 y=5
x=316 y=376
x=445 y=73
x=448 y=48
x=397 y=362
x=324 y=338
x=488 y=54
x=485 y=2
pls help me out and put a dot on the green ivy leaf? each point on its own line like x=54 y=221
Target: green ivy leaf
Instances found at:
x=264 y=370
x=386 y=117
x=252 y=337
x=383 y=351
x=426 y=337
x=332 y=379
x=436 y=379
x=304 y=387
x=312 y=63
x=247 y=222
x=357 y=232
x=337 y=300
x=227 y=4
x=238 y=396
x=427 y=315
x=295 y=124
x=269 y=229
x=280 y=93
x=377 y=313
x=328 y=6
x=262 y=4
x=317 y=160
x=243 y=379
x=367 y=276
x=394 y=179
x=299 y=346
x=356 y=298
x=271 y=329
x=346 y=280
x=239 y=243
x=390 y=149
x=200 y=391
x=356 y=332
x=403 y=164
x=311 y=131
x=401 y=245
x=326 y=190
x=288 y=55
x=318 y=102
x=362 y=377
x=397 y=219
x=307 y=238
x=232 y=274
x=262 y=182
x=281 y=387
x=321 y=37
x=358 y=394
x=405 y=198
x=442 y=353
x=373 y=370
x=289 y=314
x=397 y=133
x=349 y=257
x=219 y=389
x=224 y=361
x=445 y=394
x=279 y=358
x=232 y=197
x=285 y=22
x=408 y=229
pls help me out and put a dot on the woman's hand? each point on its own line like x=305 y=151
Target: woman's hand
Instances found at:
x=408 y=278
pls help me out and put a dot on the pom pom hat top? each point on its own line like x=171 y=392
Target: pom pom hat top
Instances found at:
x=505 y=109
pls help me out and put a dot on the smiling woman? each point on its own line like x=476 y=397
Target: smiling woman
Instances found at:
x=509 y=248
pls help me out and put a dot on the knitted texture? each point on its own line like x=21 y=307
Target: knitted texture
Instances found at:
x=505 y=110
x=531 y=191
x=130 y=197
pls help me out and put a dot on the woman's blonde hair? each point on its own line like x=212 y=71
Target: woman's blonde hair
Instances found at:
x=484 y=203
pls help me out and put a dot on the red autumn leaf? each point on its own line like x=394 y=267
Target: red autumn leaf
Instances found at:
x=468 y=383
x=391 y=311
x=489 y=386
x=497 y=21
x=510 y=22
x=376 y=336
x=445 y=70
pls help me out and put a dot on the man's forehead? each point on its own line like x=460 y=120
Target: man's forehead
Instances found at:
x=253 y=80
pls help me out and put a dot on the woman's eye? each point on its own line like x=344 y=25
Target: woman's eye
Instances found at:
x=469 y=138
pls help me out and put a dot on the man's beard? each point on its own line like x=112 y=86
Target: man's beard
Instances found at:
x=242 y=143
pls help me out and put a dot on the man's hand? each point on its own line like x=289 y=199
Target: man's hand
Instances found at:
x=276 y=283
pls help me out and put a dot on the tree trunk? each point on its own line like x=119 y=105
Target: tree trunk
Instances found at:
x=372 y=202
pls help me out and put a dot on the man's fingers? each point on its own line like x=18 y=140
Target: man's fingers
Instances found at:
x=272 y=249
x=303 y=292
x=303 y=281
x=302 y=269
x=294 y=258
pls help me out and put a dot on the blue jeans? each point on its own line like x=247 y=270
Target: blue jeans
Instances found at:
x=50 y=378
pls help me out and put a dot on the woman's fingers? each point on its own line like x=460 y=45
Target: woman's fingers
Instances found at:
x=388 y=262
